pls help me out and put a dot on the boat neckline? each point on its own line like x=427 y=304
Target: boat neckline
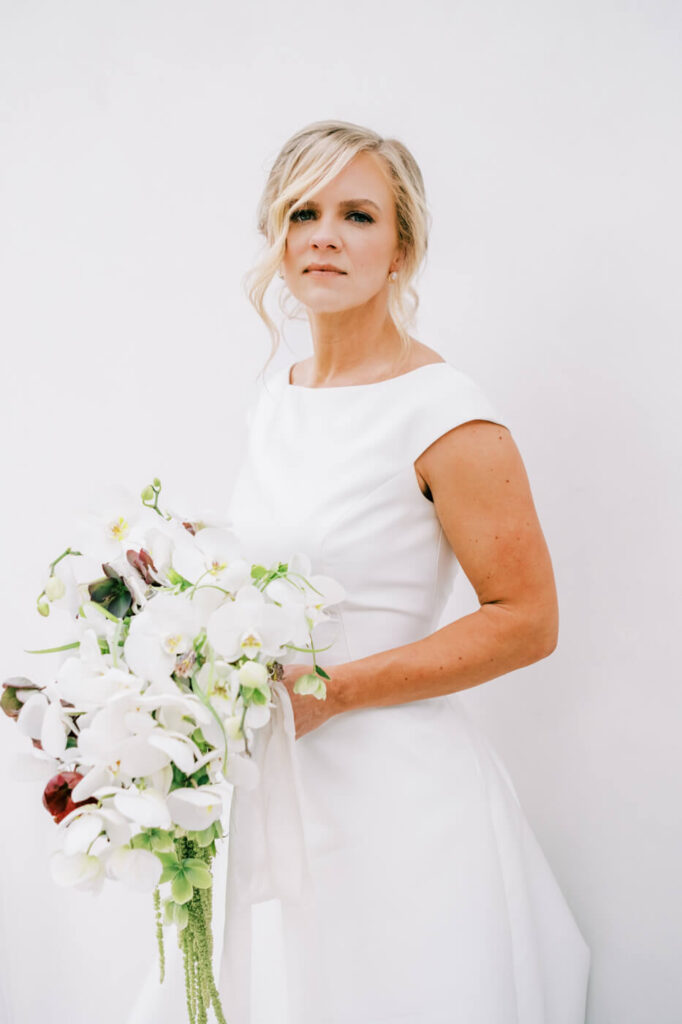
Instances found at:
x=355 y=387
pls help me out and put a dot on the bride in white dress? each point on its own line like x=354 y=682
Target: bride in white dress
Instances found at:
x=431 y=901
x=434 y=903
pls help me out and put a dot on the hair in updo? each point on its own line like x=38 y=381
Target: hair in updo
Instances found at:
x=304 y=165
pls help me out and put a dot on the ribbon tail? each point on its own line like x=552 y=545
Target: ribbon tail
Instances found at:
x=267 y=857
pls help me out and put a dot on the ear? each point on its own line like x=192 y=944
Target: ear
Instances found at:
x=398 y=259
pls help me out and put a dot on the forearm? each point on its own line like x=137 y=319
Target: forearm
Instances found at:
x=471 y=650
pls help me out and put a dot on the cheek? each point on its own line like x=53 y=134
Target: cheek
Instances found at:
x=294 y=243
x=372 y=254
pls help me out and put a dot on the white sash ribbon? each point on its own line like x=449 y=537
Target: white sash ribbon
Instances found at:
x=267 y=857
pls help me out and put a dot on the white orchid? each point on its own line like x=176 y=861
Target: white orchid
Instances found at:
x=88 y=836
x=160 y=541
x=147 y=724
x=90 y=678
x=166 y=627
x=139 y=869
x=146 y=807
x=310 y=593
x=118 y=524
x=195 y=809
x=78 y=870
x=43 y=719
x=252 y=626
x=74 y=573
x=212 y=555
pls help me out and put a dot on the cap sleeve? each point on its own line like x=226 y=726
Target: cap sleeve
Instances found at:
x=446 y=402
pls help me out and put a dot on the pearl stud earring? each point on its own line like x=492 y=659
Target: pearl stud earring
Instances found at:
x=393 y=275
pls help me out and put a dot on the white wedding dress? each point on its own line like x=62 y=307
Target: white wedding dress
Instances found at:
x=428 y=899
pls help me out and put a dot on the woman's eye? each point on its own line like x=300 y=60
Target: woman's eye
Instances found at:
x=365 y=218
x=296 y=215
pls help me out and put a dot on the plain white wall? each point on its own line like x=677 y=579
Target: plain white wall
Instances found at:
x=135 y=141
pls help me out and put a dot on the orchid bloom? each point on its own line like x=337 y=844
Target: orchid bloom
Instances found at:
x=165 y=627
x=252 y=626
x=212 y=556
x=90 y=678
x=115 y=526
x=123 y=740
x=311 y=595
x=46 y=720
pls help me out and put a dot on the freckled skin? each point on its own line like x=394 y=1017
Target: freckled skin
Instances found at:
x=462 y=472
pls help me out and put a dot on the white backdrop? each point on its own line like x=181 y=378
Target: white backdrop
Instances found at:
x=135 y=141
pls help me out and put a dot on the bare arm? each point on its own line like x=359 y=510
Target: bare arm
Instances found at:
x=483 y=500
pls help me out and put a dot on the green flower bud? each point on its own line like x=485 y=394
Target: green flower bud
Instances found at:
x=253 y=674
x=43 y=607
x=147 y=493
x=54 y=588
x=156 y=482
x=312 y=684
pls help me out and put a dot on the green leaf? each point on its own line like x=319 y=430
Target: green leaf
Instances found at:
x=50 y=650
x=141 y=841
x=321 y=672
x=181 y=888
x=161 y=841
x=112 y=594
x=201 y=776
x=168 y=860
x=203 y=838
x=179 y=780
x=197 y=872
x=167 y=875
x=198 y=737
x=181 y=916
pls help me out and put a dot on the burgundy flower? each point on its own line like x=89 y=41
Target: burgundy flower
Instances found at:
x=57 y=795
x=143 y=562
x=10 y=702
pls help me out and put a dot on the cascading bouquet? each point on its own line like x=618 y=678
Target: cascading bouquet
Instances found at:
x=176 y=662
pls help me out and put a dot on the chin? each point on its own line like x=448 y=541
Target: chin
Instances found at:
x=318 y=301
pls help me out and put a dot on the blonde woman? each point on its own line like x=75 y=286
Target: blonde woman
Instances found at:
x=388 y=467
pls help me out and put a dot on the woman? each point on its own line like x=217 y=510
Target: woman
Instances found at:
x=388 y=467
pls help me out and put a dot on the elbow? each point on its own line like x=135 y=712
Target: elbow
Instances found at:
x=544 y=637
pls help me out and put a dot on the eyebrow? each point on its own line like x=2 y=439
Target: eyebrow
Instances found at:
x=346 y=203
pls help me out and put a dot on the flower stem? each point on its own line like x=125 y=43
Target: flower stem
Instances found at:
x=159 y=934
x=196 y=942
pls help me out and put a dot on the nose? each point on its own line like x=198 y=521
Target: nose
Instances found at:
x=324 y=236
x=320 y=241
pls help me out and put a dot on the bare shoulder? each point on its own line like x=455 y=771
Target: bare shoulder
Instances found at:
x=422 y=355
x=481 y=448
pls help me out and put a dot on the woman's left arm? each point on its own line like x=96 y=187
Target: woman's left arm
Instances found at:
x=483 y=500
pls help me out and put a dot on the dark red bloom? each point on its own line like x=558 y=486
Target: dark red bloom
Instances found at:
x=143 y=562
x=57 y=795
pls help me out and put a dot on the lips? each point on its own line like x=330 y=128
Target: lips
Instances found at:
x=322 y=268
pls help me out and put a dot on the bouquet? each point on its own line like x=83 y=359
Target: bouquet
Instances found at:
x=175 y=664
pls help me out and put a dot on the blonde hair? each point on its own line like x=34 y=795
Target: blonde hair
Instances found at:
x=305 y=164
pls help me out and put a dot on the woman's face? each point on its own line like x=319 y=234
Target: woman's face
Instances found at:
x=350 y=225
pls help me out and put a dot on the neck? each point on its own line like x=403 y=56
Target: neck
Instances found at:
x=352 y=344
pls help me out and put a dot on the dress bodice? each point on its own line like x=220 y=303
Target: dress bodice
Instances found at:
x=329 y=471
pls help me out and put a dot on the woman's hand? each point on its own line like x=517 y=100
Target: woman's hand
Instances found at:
x=309 y=711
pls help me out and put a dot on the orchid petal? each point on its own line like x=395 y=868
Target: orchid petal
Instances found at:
x=139 y=869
